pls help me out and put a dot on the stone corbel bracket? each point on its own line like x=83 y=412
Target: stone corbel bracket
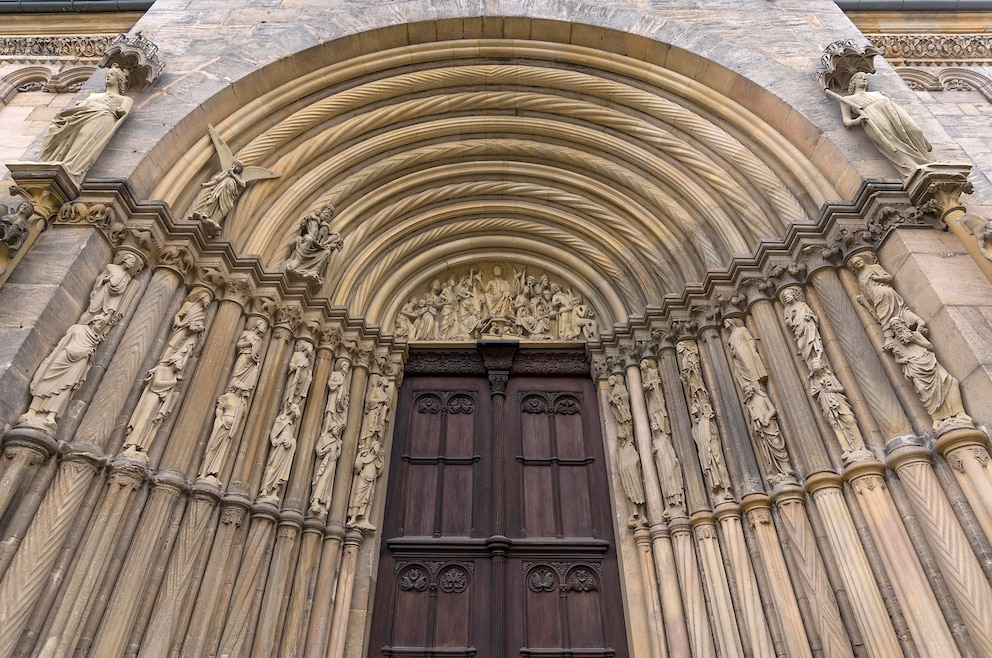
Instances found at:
x=841 y=60
x=137 y=55
x=938 y=187
x=48 y=186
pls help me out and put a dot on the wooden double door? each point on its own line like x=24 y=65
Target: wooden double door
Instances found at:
x=497 y=537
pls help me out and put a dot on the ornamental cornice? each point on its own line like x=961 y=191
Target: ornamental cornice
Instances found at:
x=934 y=49
x=59 y=47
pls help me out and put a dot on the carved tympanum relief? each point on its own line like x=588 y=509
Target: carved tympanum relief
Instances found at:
x=79 y=134
x=329 y=442
x=628 y=460
x=282 y=435
x=313 y=246
x=703 y=421
x=905 y=338
x=886 y=124
x=162 y=382
x=824 y=386
x=65 y=368
x=666 y=461
x=476 y=303
x=231 y=405
x=751 y=376
x=223 y=190
x=371 y=457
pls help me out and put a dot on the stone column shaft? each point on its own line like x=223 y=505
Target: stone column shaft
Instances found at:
x=923 y=614
x=809 y=572
x=122 y=609
x=725 y=626
x=29 y=570
x=687 y=568
x=330 y=557
x=854 y=569
x=967 y=453
x=751 y=613
x=671 y=599
x=304 y=585
x=657 y=635
x=20 y=520
x=342 y=600
x=951 y=550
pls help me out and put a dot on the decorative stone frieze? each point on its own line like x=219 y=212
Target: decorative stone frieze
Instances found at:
x=62 y=47
x=928 y=49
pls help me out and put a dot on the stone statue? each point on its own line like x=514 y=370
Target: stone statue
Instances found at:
x=188 y=325
x=829 y=394
x=330 y=440
x=887 y=125
x=370 y=459
x=300 y=375
x=245 y=371
x=938 y=390
x=110 y=289
x=314 y=246
x=878 y=296
x=227 y=420
x=803 y=324
x=162 y=382
x=499 y=296
x=703 y=420
x=750 y=374
x=665 y=459
x=225 y=188
x=282 y=438
x=62 y=372
x=79 y=134
x=628 y=460
x=14 y=226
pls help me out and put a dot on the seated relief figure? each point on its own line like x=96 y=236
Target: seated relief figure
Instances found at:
x=314 y=246
x=224 y=189
x=79 y=134
x=887 y=125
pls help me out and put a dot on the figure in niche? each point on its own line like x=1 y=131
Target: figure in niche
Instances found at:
x=79 y=134
x=227 y=420
x=803 y=324
x=666 y=461
x=282 y=438
x=224 y=189
x=938 y=390
x=14 y=226
x=887 y=125
x=245 y=371
x=878 y=296
x=370 y=459
x=628 y=461
x=828 y=392
x=314 y=246
x=330 y=440
x=110 y=288
x=62 y=372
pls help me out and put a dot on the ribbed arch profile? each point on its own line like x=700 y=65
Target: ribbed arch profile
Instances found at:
x=627 y=180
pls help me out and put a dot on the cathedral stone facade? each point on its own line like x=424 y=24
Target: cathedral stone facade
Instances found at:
x=495 y=328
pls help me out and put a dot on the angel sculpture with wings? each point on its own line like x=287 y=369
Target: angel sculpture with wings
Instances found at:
x=224 y=189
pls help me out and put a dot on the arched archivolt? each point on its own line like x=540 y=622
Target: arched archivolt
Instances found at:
x=625 y=179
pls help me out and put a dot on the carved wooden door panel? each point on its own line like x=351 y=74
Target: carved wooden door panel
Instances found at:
x=497 y=539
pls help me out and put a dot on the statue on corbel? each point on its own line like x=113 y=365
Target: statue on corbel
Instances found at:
x=905 y=338
x=65 y=368
x=314 y=246
x=370 y=459
x=222 y=192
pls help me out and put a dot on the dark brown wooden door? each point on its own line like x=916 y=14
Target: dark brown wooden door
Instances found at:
x=497 y=539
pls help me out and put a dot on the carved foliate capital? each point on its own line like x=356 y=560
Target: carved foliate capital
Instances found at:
x=599 y=369
x=309 y=329
x=365 y=356
x=137 y=55
x=238 y=290
x=842 y=59
x=330 y=337
x=263 y=305
x=289 y=317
